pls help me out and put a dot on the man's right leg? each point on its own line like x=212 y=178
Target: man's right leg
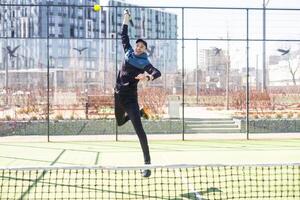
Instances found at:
x=133 y=112
x=120 y=114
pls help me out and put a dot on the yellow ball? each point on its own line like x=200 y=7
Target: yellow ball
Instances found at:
x=97 y=7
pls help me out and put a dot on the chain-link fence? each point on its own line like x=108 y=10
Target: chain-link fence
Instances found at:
x=224 y=70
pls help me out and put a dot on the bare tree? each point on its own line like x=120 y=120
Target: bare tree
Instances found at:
x=293 y=68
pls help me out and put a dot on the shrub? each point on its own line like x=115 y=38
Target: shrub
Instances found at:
x=290 y=115
x=34 y=118
x=8 y=117
x=59 y=117
x=278 y=115
x=268 y=116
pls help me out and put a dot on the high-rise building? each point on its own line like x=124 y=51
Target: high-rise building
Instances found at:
x=213 y=67
x=69 y=30
x=78 y=44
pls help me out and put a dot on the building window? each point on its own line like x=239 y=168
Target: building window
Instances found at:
x=89 y=26
x=72 y=12
x=112 y=19
x=72 y=31
x=24 y=29
x=52 y=30
x=88 y=14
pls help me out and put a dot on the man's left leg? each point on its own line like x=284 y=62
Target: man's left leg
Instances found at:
x=120 y=114
x=133 y=112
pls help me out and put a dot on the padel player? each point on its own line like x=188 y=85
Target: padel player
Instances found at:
x=132 y=71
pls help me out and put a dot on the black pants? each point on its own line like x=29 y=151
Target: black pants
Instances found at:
x=128 y=103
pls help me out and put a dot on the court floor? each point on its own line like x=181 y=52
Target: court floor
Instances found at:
x=128 y=153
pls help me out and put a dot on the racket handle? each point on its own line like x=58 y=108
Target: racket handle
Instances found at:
x=130 y=19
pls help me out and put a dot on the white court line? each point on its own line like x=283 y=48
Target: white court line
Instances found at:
x=185 y=180
x=190 y=185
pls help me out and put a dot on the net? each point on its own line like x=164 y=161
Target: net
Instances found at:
x=166 y=182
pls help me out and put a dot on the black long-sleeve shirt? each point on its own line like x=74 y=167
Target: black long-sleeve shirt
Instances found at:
x=132 y=66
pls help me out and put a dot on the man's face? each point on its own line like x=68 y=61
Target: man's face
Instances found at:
x=139 y=48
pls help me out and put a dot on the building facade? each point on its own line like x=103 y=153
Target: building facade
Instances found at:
x=78 y=44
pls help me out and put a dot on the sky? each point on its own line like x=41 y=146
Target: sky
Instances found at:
x=229 y=3
x=222 y=24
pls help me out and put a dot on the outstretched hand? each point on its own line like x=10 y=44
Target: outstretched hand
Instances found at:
x=126 y=12
x=142 y=77
x=126 y=16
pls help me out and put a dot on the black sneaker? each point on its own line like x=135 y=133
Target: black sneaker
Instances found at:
x=144 y=114
x=146 y=173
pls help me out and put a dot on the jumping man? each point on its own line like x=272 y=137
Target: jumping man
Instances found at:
x=133 y=70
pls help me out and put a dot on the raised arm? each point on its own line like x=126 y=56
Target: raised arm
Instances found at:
x=124 y=34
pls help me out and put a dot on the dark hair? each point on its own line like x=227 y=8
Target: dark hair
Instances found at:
x=142 y=41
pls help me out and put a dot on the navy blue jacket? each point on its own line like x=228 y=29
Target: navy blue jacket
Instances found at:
x=132 y=66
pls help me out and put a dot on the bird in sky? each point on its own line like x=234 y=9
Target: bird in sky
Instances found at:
x=284 y=51
x=217 y=51
x=80 y=50
x=11 y=52
x=151 y=51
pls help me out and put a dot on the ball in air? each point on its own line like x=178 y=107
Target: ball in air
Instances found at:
x=97 y=7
